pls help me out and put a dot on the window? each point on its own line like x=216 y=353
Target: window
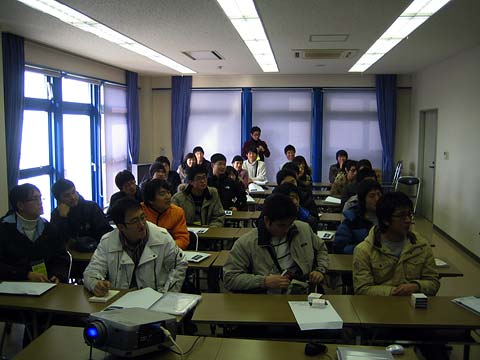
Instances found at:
x=285 y=117
x=350 y=122
x=214 y=122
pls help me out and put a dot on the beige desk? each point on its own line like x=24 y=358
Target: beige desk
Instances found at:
x=67 y=343
x=330 y=217
x=322 y=185
x=243 y=216
x=221 y=259
x=332 y=207
x=318 y=194
x=260 y=194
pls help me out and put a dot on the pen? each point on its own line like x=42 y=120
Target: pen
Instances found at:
x=284 y=272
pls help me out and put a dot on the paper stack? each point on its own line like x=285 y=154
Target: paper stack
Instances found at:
x=419 y=301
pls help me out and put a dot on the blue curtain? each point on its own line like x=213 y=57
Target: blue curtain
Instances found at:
x=246 y=115
x=317 y=133
x=133 y=122
x=13 y=85
x=181 y=94
x=386 y=87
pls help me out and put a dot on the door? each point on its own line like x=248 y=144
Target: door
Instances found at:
x=429 y=120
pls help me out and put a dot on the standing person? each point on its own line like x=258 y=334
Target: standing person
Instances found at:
x=257 y=171
x=237 y=163
x=172 y=177
x=200 y=156
x=31 y=249
x=125 y=182
x=254 y=141
x=187 y=162
x=341 y=157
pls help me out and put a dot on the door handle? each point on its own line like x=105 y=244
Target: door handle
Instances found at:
x=432 y=167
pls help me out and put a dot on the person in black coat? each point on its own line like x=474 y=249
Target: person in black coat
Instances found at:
x=125 y=182
x=30 y=247
x=172 y=176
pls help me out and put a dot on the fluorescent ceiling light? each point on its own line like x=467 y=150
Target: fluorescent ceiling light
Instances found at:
x=414 y=15
x=85 y=23
x=245 y=19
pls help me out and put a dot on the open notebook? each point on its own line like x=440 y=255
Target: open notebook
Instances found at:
x=195 y=256
x=24 y=288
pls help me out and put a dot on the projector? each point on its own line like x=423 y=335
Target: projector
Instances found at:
x=129 y=332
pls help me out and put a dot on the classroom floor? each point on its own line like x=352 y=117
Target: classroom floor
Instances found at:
x=444 y=249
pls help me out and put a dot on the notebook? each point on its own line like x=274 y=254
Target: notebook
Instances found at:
x=25 y=288
x=471 y=303
x=351 y=353
x=333 y=200
x=255 y=188
x=103 y=299
x=194 y=256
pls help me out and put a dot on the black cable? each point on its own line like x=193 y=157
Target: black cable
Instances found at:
x=191 y=347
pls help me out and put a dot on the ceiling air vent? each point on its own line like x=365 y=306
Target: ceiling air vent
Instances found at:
x=203 y=55
x=324 y=54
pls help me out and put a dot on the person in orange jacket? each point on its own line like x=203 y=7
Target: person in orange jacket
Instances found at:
x=159 y=210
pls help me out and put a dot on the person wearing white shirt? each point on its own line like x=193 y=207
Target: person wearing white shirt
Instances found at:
x=256 y=168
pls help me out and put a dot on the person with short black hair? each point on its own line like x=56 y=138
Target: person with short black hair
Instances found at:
x=341 y=156
x=200 y=157
x=188 y=161
x=159 y=210
x=261 y=147
x=350 y=197
x=137 y=254
x=289 y=152
x=172 y=177
x=31 y=249
x=200 y=202
x=257 y=171
x=286 y=176
x=232 y=194
x=237 y=163
x=393 y=260
x=279 y=256
x=125 y=182
x=82 y=222
x=290 y=173
x=364 y=164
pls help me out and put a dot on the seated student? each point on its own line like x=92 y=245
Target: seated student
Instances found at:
x=232 y=194
x=237 y=163
x=350 y=197
x=80 y=221
x=31 y=249
x=200 y=202
x=364 y=164
x=341 y=157
x=344 y=178
x=187 y=162
x=392 y=260
x=260 y=146
x=304 y=171
x=137 y=254
x=172 y=177
x=159 y=210
x=289 y=152
x=256 y=169
x=200 y=157
x=125 y=182
x=358 y=221
x=280 y=254
x=303 y=214
x=289 y=173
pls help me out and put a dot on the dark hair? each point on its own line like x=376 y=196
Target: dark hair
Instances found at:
x=364 y=163
x=123 y=177
x=279 y=207
x=21 y=193
x=349 y=164
x=151 y=187
x=387 y=205
x=163 y=160
x=60 y=187
x=195 y=170
x=252 y=149
x=365 y=173
x=198 y=148
x=117 y=212
x=237 y=158
x=341 y=153
x=282 y=174
x=188 y=156
x=217 y=157
x=255 y=128
x=289 y=148
x=301 y=160
x=363 y=189
x=292 y=167
x=231 y=170
x=286 y=189
x=156 y=166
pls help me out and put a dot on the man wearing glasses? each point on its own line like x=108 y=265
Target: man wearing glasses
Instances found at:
x=137 y=254
x=30 y=247
x=200 y=202
x=392 y=260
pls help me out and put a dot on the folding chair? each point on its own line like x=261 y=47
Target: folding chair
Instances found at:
x=407 y=183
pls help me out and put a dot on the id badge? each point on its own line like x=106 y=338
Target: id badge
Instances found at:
x=40 y=268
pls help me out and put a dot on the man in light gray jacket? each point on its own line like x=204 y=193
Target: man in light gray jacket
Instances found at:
x=280 y=255
x=137 y=254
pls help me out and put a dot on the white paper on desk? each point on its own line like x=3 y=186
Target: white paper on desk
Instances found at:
x=197 y=230
x=250 y=200
x=24 y=288
x=252 y=187
x=309 y=318
x=333 y=200
x=471 y=303
x=261 y=182
x=143 y=298
x=440 y=263
x=176 y=303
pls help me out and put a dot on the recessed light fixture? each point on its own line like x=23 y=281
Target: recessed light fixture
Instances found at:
x=245 y=19
x=85 y=23
x=415 y=15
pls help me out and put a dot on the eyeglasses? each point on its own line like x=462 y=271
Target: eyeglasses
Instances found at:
x=200 y=178
x=406 y=214
x=138 y=220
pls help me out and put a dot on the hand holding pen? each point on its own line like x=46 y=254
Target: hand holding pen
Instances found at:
x=101 y=287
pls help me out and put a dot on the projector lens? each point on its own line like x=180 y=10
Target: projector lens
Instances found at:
x=95 y=333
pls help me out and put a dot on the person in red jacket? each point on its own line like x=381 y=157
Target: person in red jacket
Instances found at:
x=260 y=145
x=159 y=210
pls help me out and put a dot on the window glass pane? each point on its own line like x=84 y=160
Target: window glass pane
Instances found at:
x=285 y=118
x=350 y=122
x=214 y=123
x=76 y=91
x=35 y=145
x=77 y=153
x=43 y=184
x=36 y=86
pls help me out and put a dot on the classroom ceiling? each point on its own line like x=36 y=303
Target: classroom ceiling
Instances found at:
x=174 y=26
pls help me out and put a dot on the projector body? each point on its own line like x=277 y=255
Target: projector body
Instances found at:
x=129 y=332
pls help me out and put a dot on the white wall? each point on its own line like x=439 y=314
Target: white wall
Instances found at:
x=452 y=87
x=3 y=148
